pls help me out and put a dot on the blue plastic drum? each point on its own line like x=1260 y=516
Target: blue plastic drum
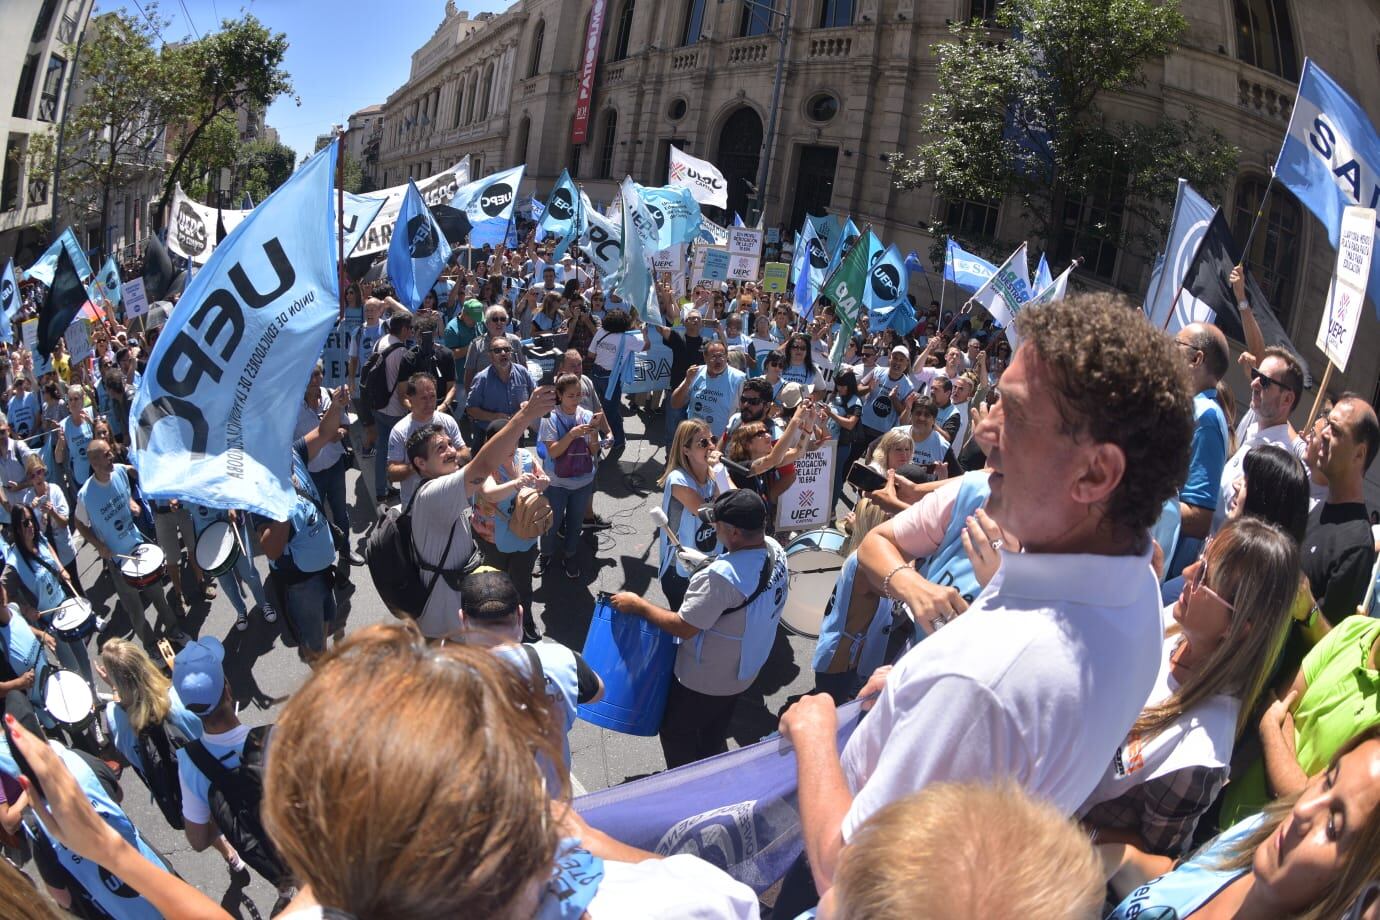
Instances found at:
x=635 y=660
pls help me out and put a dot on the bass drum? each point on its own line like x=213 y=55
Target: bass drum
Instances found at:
x=814 y=559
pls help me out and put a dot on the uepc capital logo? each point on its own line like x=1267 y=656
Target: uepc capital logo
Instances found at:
x=6 y=293
x=496 y=199
x=561 y=205
x=886 y=282
x=191 y=232
x=421 y=242
x=658 y=215
x=818 y=257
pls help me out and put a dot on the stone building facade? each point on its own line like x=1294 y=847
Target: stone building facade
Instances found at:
x=699 y=74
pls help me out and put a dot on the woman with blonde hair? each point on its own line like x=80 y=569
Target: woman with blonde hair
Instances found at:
x=687 y=483
x=148 y=723
x=893 y=450
x=1308 y=856
x=1222 y=639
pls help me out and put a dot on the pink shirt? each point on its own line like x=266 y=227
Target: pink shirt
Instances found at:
x=919 y=530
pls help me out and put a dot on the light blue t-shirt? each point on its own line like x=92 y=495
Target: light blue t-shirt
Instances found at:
x=712 y=399
x=883 y=403
x=125 y=738
x=689 y=529
x=1195 y=882
x=1209 y=454
x=107 y=508
x=78 y=437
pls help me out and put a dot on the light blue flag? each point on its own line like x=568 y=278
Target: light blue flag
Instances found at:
x=633 y=281
x=811 y=261
x=1043 y=278
x=418 y=252
x=827 y=228
x=888 y=283
x=738 y=220
x=360 y=211
x=490 y=198
x=675 y=212
x=108 y=280
x=10 y=302
x=965 y=269
x=535 y=208
x=1331 y=157
x=913 y=263
x=46 y=266
x=562 y=214
x=1188 y=227
x=602 y=242
x=849 y=234
x=208 y=418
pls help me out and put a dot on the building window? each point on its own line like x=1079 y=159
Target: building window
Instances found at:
x=986 y=10
x=606 y=148
x=835 y=13
x=538 y=34
x=24 y=92
x=694 y=22
x=624 y=33
x=1274 y=249
x=50 y=100
x=677 y=110
x=575 y=160
x=524 y=134
x=44 y=21
x=14 y=168
x=971 y=219
x=459 y=103
x=1092 y=223
x=1265 y=37
x=822 y=107
x=757 y=18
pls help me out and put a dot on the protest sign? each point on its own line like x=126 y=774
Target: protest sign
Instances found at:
x=742 y=268
x=78 y=339
x=29 y=332
x=1347 y=294
x=670 y=260
x=649 y=370
x=192 y=230
x=136 y=300
x=809 y=501
x=716 y=262
x=774 y=277
x=437 y=189
x=744 y=242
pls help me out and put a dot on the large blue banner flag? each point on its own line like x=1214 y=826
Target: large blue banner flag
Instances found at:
x=811 y=261
x=888 y=284
x=675 y=212
x=418 y=251
x=1187 y=228
x=561 y=217
x=46 y=267
x=965 y=269
x=633 y=280
x=1331 y=157
x=488 y=203
x=10 y=302
x=208 y=419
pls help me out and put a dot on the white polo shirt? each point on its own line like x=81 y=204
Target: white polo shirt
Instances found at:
x=1038 y=681
x=1249 y=437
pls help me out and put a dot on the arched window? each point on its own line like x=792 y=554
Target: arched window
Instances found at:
x=757 y=18
x=833 y=13
x=524 y=134
x=486 y=90
x=1274 y=248
x=624 y=33
x=606 y=148
x=469 y=106
x=694 y=22
x=1265 y=37
x=538 y=34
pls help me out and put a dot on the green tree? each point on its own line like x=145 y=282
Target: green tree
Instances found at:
x=1018 y=114
x=263 y=166
x=236 y=68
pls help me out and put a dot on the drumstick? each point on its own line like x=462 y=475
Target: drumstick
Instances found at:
x=238 y=542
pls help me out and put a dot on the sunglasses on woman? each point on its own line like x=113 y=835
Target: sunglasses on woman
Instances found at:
x=1199 y=582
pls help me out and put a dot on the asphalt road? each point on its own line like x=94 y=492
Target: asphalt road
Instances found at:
x=263 y=672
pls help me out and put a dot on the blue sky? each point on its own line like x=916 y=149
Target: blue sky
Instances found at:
x=342 y=54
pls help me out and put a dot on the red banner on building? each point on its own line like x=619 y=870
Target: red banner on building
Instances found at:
x=584 y=97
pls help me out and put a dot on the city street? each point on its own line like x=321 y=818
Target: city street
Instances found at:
x=263 y=672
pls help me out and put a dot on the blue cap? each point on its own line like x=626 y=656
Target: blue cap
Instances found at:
x=198 y=676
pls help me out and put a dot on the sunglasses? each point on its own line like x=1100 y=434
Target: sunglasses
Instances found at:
x=704 y=442
x=1267 y=382
x=500 y=351
x=1199 y=582
x=498 y=319
x=750 y=402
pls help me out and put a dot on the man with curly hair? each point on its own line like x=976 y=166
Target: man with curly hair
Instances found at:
x=1042 y=676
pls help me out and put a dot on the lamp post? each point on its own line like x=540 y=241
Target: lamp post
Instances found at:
x=769 y=143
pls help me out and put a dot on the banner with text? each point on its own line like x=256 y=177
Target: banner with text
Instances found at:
x=774 y=277
x=809 y=501
x=648 y=370
x=1346 y=296
x=192 y=229
x=437 y=189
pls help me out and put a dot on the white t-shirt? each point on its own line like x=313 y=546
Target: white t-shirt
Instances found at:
x=397 y=446
x=681 y=887
x=1249 y=436
x=440 y=503
x=606 y=344
x=1038 y=681
x=1201 y=737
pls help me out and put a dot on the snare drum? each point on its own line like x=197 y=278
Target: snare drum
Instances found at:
x=69 y=699
x=814 y=559
x=217 y=549
x=74 y=620
x=146 y=566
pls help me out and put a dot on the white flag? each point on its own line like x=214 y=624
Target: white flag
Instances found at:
x=1008 y=290
x=701 y=177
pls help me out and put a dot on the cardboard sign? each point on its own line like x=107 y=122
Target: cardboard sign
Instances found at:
x=809 y=501
x=78 y=338
x=1346 y=297
x=136 y=299
x=774 y=278
x=743 y=268
x=744 y=242
x=716 y=264
x=670 y=260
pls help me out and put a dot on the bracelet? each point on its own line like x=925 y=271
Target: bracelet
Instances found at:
x=1243 y=305
x=886 y=582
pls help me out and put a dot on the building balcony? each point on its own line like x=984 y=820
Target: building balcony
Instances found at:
x=755 y=50
x=1265 y=94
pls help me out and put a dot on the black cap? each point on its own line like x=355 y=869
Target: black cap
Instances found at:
x=488 y=594
x=741 y=508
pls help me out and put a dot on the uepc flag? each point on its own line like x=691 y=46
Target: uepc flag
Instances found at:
x=418 y=252
x=208 y=419
x=888 y=283
x=811 y=266
x=633 y=281
x=1331 y=157
x=46 y=267
x=562 y=211
x=602 y=241
x=675 y=212
x=965 y=269
x=10 y=302
x=490 y=198
x=108 y=280
x=701 y=177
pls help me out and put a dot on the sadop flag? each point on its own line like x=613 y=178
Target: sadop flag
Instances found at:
x=208 y=419
x=675 y=212
x=701 y=177
x=1331 y=157
x=1188 y=226
x=418 y=252
x=46 y=266
x=1008 y=290
x=965 y=269
x=66 y=295
x=846 y=288
x=10 y=302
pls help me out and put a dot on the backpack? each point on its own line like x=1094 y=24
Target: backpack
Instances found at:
x=375 y=388
x=235 y=797
x=398 y=571
x=157 y=749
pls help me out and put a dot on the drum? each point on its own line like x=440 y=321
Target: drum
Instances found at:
x=814 y=559
x=69 y=699
x=74 y=620
x=145 y=567
x=636 y=661
x=217 y=550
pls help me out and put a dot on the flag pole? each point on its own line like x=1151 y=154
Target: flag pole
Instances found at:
x=943 y=285
x=340 y=221
x=1255 y=222
x=1317 y=400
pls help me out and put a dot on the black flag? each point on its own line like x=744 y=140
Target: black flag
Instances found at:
x=158 y=270
x=66 y=295
x=220 y=224
x=1207 y=280
x=454 y=223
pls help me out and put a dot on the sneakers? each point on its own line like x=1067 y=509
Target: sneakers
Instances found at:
x=242 y=621
x=354 y=558
x=571 y=567
x=270 y=615
x=543 y=561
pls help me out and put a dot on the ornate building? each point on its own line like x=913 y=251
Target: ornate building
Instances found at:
x=699 y=74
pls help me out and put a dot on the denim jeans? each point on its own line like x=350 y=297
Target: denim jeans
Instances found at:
x=674 y=417
x=330 y=483
x=612 y=404
x=567 y=505
x=247 y=574
x=385 y=425
x=311 y=604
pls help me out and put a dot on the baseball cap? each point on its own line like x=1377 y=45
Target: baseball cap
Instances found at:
x=198 y=676
x=488 y=594
x=474 y=310
x=791 y=394
x=740 y=508
x=902 y=351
